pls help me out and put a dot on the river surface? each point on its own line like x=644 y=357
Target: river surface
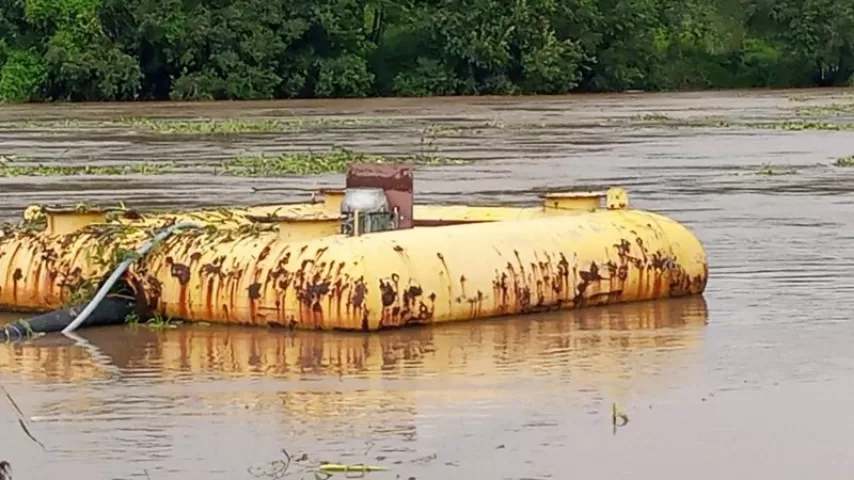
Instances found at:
x=749 y=381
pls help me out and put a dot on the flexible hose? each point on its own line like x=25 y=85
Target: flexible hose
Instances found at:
x=111 y=311
x=105 y=288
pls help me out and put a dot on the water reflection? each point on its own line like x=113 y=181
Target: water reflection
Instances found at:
x=146 y=397
x=499 y=346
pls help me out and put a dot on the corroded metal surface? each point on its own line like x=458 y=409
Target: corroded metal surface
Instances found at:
x=57 y=256
x=241 y=268
x=42 y=271
x=422 y=276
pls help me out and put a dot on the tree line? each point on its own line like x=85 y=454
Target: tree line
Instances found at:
x=260 y=49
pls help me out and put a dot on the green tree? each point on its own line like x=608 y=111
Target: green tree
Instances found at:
x=254 y=49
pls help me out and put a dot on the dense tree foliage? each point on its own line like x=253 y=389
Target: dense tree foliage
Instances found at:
x=253 y=49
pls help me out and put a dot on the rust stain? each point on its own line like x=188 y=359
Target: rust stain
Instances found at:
x=403 y=306
x=445 y=271
x=16 y=277
x=517 y=289
x=243 y=275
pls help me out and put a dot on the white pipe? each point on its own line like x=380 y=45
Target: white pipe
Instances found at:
x=102 y=292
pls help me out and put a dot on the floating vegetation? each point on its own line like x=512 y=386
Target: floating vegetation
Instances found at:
x=800 y=125
x=234 y=126
x=694 y=122
x=321 y=470
x=158 y=322
x=15 y=167
x=796 y=124
x=785 y=125
x=333 y=161
x=825 y=110
x=650 y=117
x=434 y=130
x=768 y=169
x=845 y=162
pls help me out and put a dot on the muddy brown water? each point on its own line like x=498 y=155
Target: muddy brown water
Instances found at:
x=749 y=381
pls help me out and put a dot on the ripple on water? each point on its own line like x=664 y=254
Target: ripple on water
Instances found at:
x=390 y=388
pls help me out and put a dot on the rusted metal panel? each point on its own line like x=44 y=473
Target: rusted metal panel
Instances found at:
x=41 y=271
x=423 y=276
x=395 y=179
x=229 y=272
x=248 y=277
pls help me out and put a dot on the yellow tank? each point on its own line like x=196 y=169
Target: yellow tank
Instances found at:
x=288 y=265
x=423 y=275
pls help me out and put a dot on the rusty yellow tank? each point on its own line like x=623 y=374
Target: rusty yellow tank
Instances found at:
x=422 y=275
x=341 y=263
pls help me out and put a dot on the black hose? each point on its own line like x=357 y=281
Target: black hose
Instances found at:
x=111 y=311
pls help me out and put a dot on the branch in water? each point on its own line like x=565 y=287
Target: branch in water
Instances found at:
x=20 y=417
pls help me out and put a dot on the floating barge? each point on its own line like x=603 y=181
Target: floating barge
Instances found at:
x=360 y=258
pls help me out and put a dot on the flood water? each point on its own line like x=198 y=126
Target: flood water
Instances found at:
x=749 y=381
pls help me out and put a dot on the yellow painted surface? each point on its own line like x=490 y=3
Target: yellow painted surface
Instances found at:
x=308 y=227
x=244 y=268
x=457 y=213
x=332 y=199
x=66 y=222
x=554 y=204
x=426 y=275
x=557 y=202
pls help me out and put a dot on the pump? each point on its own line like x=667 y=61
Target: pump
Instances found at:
x=366 y=210
x=378 y=198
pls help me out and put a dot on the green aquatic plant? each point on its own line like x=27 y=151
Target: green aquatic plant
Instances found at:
x=28 y=329
x=768 y=169
x=825 y=110
x=845 y=162
x=796 y=124
x=159 y=322
x=132 y=319
x=321 y=471
x=800 y=125
x=27 y=169
x=235 y=126
x=78 y=293
x=650 y=117
x=334 y=161
x=688 y=122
